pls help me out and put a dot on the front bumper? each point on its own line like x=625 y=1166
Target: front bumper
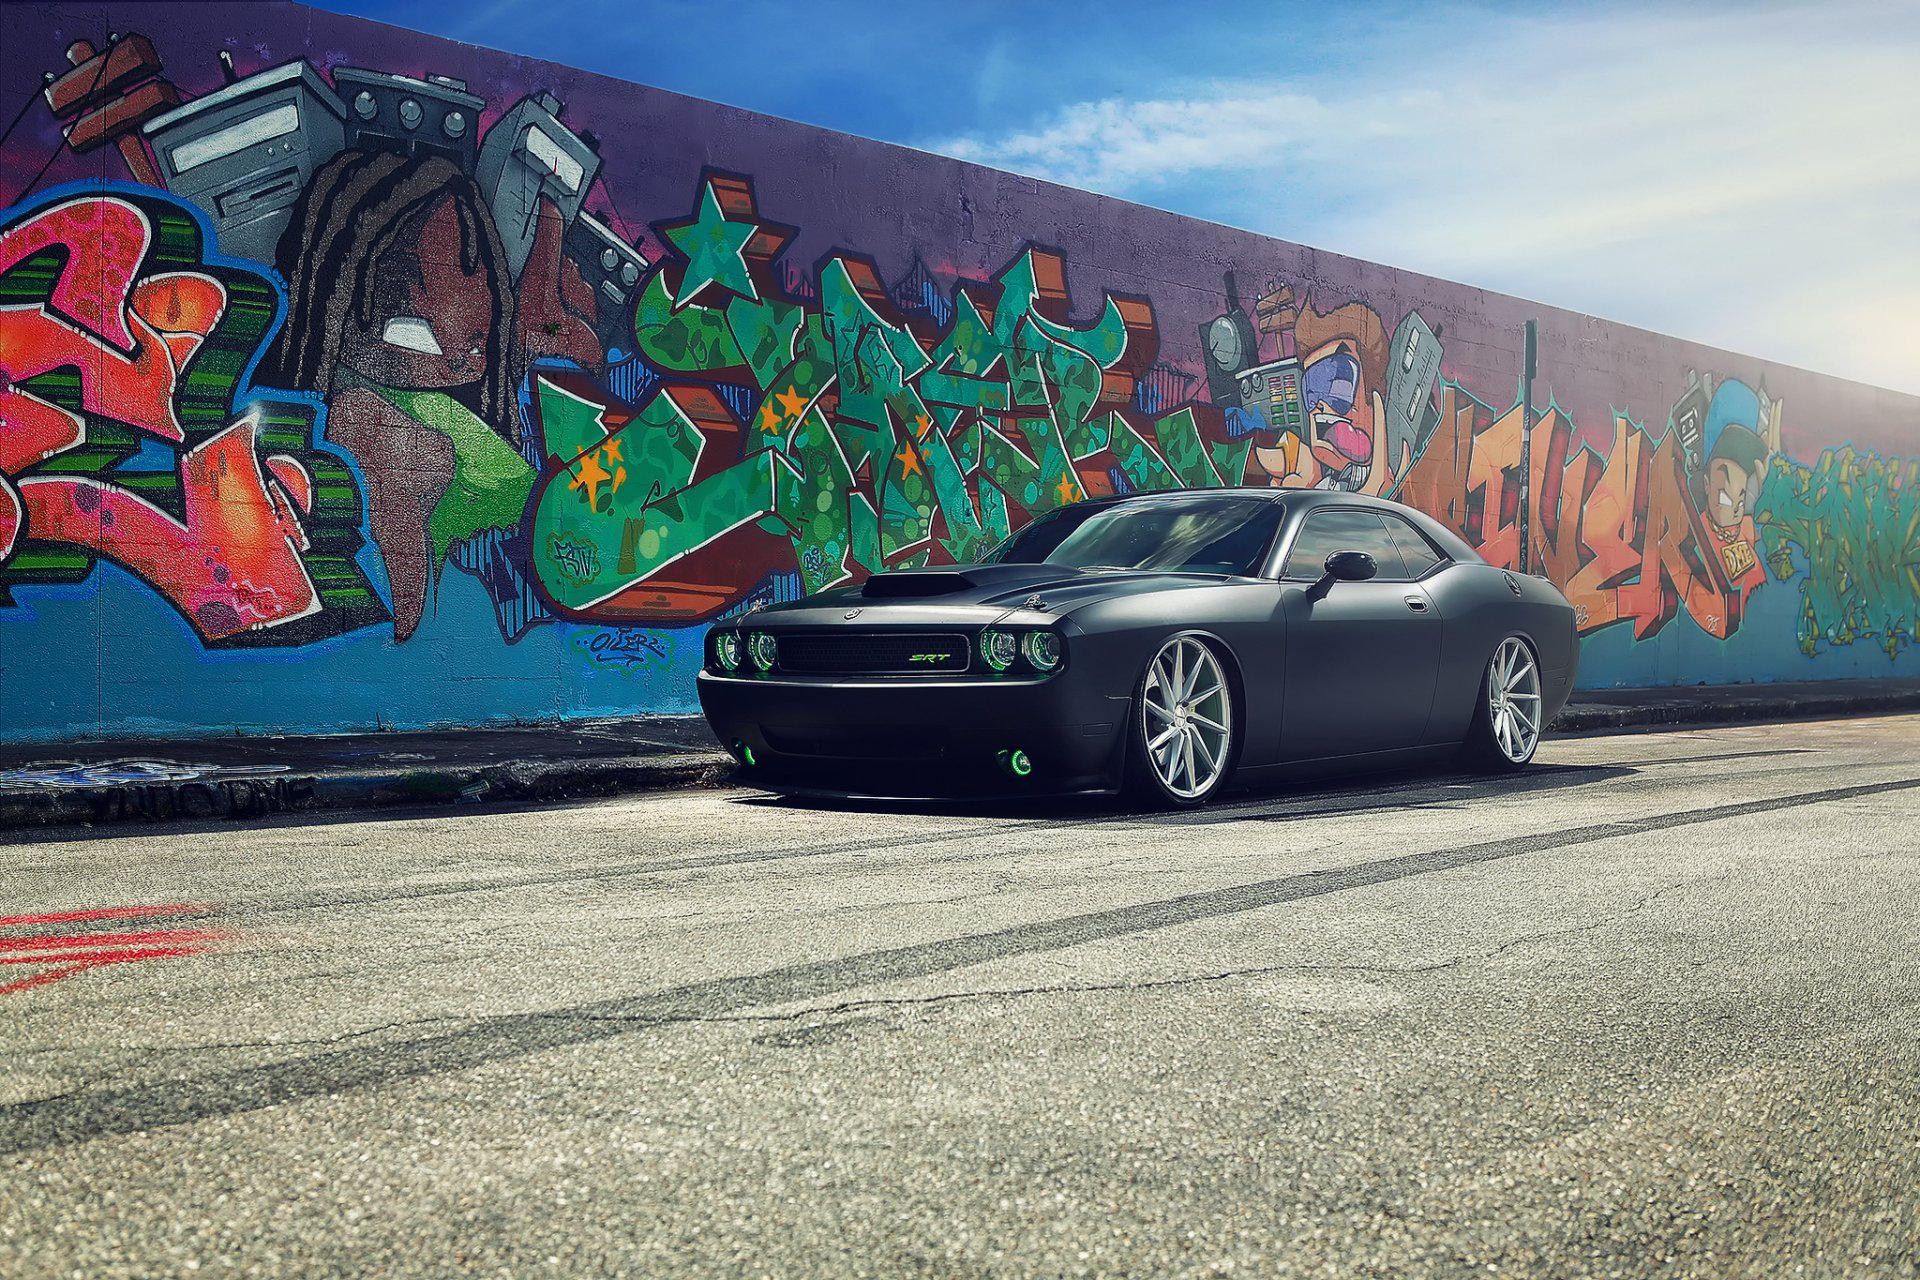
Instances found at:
x=919 y=736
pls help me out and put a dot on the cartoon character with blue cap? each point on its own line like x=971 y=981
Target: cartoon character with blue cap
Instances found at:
x=1728 y=489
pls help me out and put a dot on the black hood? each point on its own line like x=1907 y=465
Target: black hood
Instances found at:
x=1009 y=586
x=976 y=581
x=974 y=594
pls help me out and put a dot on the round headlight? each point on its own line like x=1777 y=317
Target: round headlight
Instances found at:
x=998 y=649
x=726 y=650
x=764 y=648
x=1042 y=649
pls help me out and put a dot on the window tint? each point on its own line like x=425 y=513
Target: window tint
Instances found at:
x=1342 y=530
x=1204 y=533
x=1414 y=547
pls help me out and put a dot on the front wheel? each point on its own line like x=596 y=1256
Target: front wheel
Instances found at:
x=1506 y=722
x=1183 y=729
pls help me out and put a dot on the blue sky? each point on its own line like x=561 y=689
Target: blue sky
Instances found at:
x=1743 y=174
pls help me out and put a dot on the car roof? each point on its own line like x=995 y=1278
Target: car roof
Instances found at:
x=1311 y=499
x=1207 y=491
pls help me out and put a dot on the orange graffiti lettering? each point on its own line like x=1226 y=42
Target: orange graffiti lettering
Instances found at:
x=1617 y=531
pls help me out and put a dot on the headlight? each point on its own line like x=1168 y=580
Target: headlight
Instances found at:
x=726 y=650
x=1042 y=649
x=764 y=648
x=998 y=649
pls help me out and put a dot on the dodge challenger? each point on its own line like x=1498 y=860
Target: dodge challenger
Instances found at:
x=1161 y=644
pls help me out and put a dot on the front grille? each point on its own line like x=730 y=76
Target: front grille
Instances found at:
x=874 y=653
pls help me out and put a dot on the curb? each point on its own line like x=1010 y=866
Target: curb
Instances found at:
x=1598 y=717
x=292 y=793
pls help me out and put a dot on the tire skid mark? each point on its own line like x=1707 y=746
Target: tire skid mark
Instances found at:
x=82 y=1116
x=1540 y=777
x=1650 y=761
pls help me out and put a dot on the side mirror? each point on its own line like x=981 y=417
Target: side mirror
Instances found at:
x=1343 y=566
x=1351 y=566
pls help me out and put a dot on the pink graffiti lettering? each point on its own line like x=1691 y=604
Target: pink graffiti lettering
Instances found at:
x=231 y=563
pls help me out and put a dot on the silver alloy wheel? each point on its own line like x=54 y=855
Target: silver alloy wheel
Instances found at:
x=1187 y=714
x=1513 y=699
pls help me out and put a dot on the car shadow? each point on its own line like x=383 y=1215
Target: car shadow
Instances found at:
x=1419 y=787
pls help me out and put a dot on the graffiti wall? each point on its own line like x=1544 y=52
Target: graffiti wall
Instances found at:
x=353 y=378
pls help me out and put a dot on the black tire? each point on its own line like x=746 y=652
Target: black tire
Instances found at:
x=1181 y=743
x=1506 y=728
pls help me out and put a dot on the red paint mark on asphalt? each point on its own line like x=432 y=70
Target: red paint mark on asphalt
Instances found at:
x=65 y=954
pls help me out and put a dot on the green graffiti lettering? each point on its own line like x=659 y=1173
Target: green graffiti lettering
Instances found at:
x=1855 y=519
x=874 y=440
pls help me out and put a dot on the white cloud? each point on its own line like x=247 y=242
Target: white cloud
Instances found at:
x=1119 y=145
x=1742 y=177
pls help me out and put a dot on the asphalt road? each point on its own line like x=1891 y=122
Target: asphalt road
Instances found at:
x=1651 y=1008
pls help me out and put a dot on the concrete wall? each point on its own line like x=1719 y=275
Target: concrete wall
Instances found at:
x=371 y=388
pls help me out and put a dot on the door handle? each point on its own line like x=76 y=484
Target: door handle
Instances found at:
x=1416 y=604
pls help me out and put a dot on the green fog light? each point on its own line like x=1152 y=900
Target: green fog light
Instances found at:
x=742 y=750
x=1018 y=763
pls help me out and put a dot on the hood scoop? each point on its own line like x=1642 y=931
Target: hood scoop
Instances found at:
x=908 y=584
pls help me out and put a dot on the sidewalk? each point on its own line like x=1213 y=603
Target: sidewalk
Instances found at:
x=253 y=777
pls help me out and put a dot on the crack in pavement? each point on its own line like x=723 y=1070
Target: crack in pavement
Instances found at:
x=1060 y=989
x=1607 y=919
x=100 y=1113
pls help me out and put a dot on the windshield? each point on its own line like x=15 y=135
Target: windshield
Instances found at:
x=1202 y=533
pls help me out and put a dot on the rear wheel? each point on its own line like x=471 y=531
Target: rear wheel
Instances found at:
x=1183 y=729
x=1506 y=722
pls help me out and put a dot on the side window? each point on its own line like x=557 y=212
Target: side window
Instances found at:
x=1326 y=532
x=1414 y=547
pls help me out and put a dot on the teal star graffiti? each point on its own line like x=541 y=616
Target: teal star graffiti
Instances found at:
x=714 y=247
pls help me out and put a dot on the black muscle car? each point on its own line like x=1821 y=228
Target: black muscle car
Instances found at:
x=1163 y=643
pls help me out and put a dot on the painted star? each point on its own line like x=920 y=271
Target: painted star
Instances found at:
x=791 y=401
x=713 y=248
x=909 y=461
x=590 y=475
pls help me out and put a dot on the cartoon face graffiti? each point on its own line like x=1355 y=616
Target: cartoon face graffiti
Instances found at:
x=1332 y=385
x=1343 y=352
x=1726 y=489
x=400 y=313
x=1735 y=468
x=434 y=320
x=396 y=273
